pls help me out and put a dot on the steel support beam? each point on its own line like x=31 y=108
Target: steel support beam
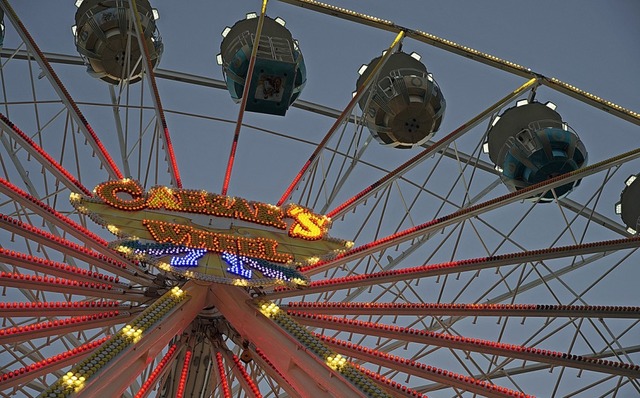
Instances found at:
x=66 y=328
x=466 y=344
x=470 y=53
x=469 y=212
x=55 y=365
x=70 y=248
x=70 y=227
x=116 y=376
x=42 y=157
x=434 y=148
x=439 y=309
x=67 y=100
x=419 y=370
x=69 y=309
x=38 y=264
x=304 y=371
x=64 y=286
x=431 y=270
x=157 y=103
x=364 y=88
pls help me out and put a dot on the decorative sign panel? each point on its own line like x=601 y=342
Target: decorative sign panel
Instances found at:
x=211 y=237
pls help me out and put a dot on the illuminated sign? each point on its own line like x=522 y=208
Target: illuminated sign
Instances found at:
x=211 y=237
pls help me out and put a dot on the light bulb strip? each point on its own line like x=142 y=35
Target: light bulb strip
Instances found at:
x=66 y=98
x=592 y=99
x=70 y=248
x=246 y=377
x=474 y=210
x=421 y=370
x=466 y=343
x=151 y=79
x=57 y=308
x=182 y=383
x=158 y=371
x=61 y=326
x=82 y=373
x=430 y=270
x=47 y=365
x=222 y=376
x=43 y=157
x=453 y=309
x=61 y=285
x=266 y=361
x=46 y=266
x=333 y=360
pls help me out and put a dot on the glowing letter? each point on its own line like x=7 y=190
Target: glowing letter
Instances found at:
x=269 y=215
x=306 y=225
x=108 y=192
x=236 y=265
x=243 y=210
x=271 y=252
x=219 y=205
x=162 y=197
x=168 y=233
x=191 y=201
x=190 y=259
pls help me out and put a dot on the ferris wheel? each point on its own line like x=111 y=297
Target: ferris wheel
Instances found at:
x=450 y=224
